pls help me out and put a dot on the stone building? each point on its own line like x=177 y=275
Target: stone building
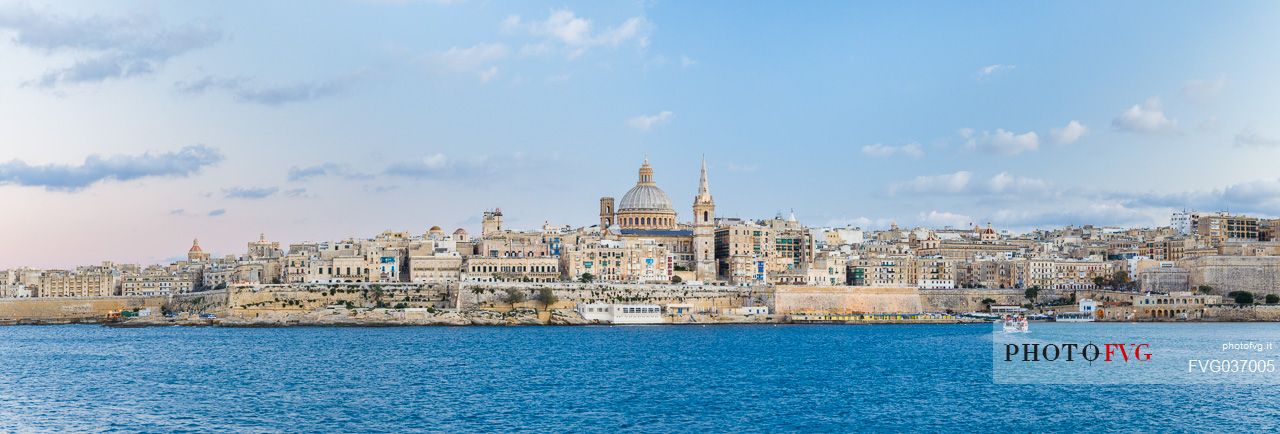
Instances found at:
x=511 y=269
x=158 y=281
x=634 y=260
x=91 y=281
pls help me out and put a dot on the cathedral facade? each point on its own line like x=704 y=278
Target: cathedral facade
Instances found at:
x=645 y=211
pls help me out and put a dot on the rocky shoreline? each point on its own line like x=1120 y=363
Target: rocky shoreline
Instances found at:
x=391 y=318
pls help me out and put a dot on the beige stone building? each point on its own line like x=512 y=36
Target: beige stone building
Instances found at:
x=428 y=265
x=1066 y=273
x=1174 y=305
x=92 y=281
x=742 y=250
x=631 y=260
x=158 y=281
x=1222 y=227
x=518 y=269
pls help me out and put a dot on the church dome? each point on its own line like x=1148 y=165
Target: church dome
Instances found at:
x=645 y=196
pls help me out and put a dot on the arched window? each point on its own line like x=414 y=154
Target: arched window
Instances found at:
x=706 y=216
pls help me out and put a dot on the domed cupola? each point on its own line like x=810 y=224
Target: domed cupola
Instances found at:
x=646 y=206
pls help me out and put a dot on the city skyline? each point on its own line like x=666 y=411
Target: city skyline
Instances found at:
x=135 y=127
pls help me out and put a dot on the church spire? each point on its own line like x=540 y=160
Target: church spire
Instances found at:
x=704 y=189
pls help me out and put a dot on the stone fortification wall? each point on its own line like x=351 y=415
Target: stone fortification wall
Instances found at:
x=1164 y=280
x=705 y=298
x=970 y=300
x=72 y=309
x=1226 y=312
x=1258 y=274
x=846 y=299
x=253 y=300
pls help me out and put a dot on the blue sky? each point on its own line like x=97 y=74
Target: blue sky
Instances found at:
x=131 y=127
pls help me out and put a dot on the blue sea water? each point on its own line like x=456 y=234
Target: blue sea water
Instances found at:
x=578 y=379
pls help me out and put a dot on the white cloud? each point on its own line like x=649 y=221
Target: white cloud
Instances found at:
x=912 y=150
x=686 y=61
x=1210 y=125
x=1144 y=118
x=949 y=183
x=1001 y=142
x=512 y=24
x=1251 y=137
x=477 y=59
x=249 y=192
x=1203 y=91
x=861 y=222
x=1068 y=134
x=990 y=70
x=472 y=168
x=962 y=182
x=648 y=122
x=185 y=162
x=102 y=48
x=248 y=90
x=488 y=74
x=944 y=218
x=1003 y=182
x=1105 y=214
x=576 y=33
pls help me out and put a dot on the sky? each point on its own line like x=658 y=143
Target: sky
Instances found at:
x=128 y=128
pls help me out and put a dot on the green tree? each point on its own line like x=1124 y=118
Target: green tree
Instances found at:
x=547 y=297
x=1241 y=297
x=586 y=278
x=1121 y=280
x=1031 y=293
x=1273 y=299
x=1099 y=282
x=676 y=279
x=513 y=296
x=1205 y=289
x=987 y=302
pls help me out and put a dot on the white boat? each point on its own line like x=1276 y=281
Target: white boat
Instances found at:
x=1073 y=317
x=1016 y=324
x=606 y=313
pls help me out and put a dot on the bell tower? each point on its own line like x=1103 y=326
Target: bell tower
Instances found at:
x=606 y=213
x=704 y=230
x=491 y=224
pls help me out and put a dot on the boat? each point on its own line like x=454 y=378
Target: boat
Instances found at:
x=1016 y=324
x=1086 y=313
x=1073 y=317
x=982 y=315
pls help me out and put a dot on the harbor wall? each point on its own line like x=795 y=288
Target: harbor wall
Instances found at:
x=72 y=308
x=1228 y=312
x=970 y=300
x=706 y=298
x=846 y=299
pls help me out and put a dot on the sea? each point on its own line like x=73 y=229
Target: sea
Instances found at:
x=725 y=378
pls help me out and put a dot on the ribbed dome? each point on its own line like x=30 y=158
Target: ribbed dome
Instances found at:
x=645 y=197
